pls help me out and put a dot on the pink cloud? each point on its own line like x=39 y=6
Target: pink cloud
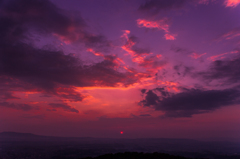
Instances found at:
x=196 y=56
x=160 y=24
x=128 y=47
x=231 y=34
x=221 y=56
x=170 y=37
x=231 y=3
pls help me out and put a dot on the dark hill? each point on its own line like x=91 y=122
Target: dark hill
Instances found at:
x=136 y=155
x=16 y=134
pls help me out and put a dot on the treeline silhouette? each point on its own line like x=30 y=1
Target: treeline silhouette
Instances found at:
x=136 y=155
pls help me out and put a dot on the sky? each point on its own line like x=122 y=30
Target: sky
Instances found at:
x=121 y=69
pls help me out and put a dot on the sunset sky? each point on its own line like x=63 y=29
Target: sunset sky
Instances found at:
x=121 y=68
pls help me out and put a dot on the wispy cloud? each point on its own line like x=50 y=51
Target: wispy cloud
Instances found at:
x=221 y=56
x=196 y=56
x=162 y=24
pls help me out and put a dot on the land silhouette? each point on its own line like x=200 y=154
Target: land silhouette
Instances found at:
x=15 y=145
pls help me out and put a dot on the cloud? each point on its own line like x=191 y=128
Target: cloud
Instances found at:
x=226 y=70
x=186 y=51
x=162 y=24
x=145 y=115
x=142 y=56
x=170 y=36
x=196 y=56
x=22 y=16
x=183 y=70
x=130 y=45
x=181 y=50
x=221 y=56
x=152 y=62
x=23 y=66
x=231 y=3
x=24 y=107
x=190 y=102
x=64 y=106
x=155 y=6
x=68 y=94
x=233 y=33
x=163 y=92
x=7 y=95
x=143 y=90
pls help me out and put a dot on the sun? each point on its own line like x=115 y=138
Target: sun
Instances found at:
x=121 y=132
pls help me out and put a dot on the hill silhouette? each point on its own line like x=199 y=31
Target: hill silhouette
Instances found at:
x=14 y=145
x=17 y=134
x=136 y=155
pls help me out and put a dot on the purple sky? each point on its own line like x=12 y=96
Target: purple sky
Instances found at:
x=147 y=68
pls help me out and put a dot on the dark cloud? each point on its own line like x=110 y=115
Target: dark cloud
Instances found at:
x=145 y=115
x=181 y=50
x=8 y=95
x=155 y=6
x=68 y=93
x=151 y=99
x=190 y=102
x=24 y=107
x=22 y=16
x=50 y=71
x=64 y=106
x=226 y=70
x=182 y=70
x=143 y=90
x=163 y=92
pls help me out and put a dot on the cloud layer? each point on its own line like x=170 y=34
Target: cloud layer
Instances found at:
x=189 y=102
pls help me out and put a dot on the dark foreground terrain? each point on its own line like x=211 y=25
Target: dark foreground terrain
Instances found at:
x=136 y=155
x=30 y=146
